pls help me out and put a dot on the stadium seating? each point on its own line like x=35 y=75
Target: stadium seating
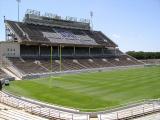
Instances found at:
x=103 y=62
x=89 y=63
x=28 y=66
x=53 y=34
x=72 y=65
x=31 y=66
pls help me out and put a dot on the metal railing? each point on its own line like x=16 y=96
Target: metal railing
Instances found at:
x=130 y=110
x=41 y=110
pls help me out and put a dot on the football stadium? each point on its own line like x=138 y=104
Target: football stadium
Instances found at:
x=59 y=68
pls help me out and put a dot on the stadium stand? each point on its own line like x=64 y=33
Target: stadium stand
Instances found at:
x=43 y=44
x=28 y=65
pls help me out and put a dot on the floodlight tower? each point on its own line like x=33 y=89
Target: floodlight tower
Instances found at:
x=18 y=2
x=91 y=15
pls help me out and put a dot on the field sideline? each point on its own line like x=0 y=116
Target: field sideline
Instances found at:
x=93 y=90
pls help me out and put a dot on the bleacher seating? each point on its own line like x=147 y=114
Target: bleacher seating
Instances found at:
x=40 y=33
x=123 y=60
x=103 y=62
x=72 y=65
x=89 y=63
x=130 y=60
x=29 y=66
x=59 y=35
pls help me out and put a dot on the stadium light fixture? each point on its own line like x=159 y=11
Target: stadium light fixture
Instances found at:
x=91 y=15
x=18 y=1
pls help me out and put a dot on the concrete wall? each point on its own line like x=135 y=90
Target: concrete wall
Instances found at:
x=43 y=75
x=9 y=49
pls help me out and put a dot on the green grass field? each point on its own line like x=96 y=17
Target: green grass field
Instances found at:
x=93 y=90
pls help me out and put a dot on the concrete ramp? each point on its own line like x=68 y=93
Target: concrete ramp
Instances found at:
x=10 y=74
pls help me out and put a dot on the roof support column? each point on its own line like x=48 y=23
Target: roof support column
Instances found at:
x=39 y=51
x=51 y=58
x=74 y=54
x=89 y=51
x=60 y=52
x=102 y=51
x=115 y=51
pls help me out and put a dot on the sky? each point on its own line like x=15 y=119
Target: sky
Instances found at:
x=133 y=24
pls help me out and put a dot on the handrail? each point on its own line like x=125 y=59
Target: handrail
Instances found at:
x=131 y=106
x=40 y=109
x=100 y=110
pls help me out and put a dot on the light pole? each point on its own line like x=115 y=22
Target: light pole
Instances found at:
x=91 y=15
x=18 y=1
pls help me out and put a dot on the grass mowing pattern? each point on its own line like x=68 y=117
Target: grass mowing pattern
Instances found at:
x=93 y=90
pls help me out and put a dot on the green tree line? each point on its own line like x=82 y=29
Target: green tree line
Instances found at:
x=144 y=55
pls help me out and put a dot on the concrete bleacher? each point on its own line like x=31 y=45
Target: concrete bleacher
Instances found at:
x=155 y=116
x=40 y=109
x=131 y=60
x=124 y=60
x=32 y=66
x=28 y=66
x=72 y=65
x=103 y=62
x=89 y=63
x=9 y=113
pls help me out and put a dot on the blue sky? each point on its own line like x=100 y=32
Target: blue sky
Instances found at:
x=132 y=24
